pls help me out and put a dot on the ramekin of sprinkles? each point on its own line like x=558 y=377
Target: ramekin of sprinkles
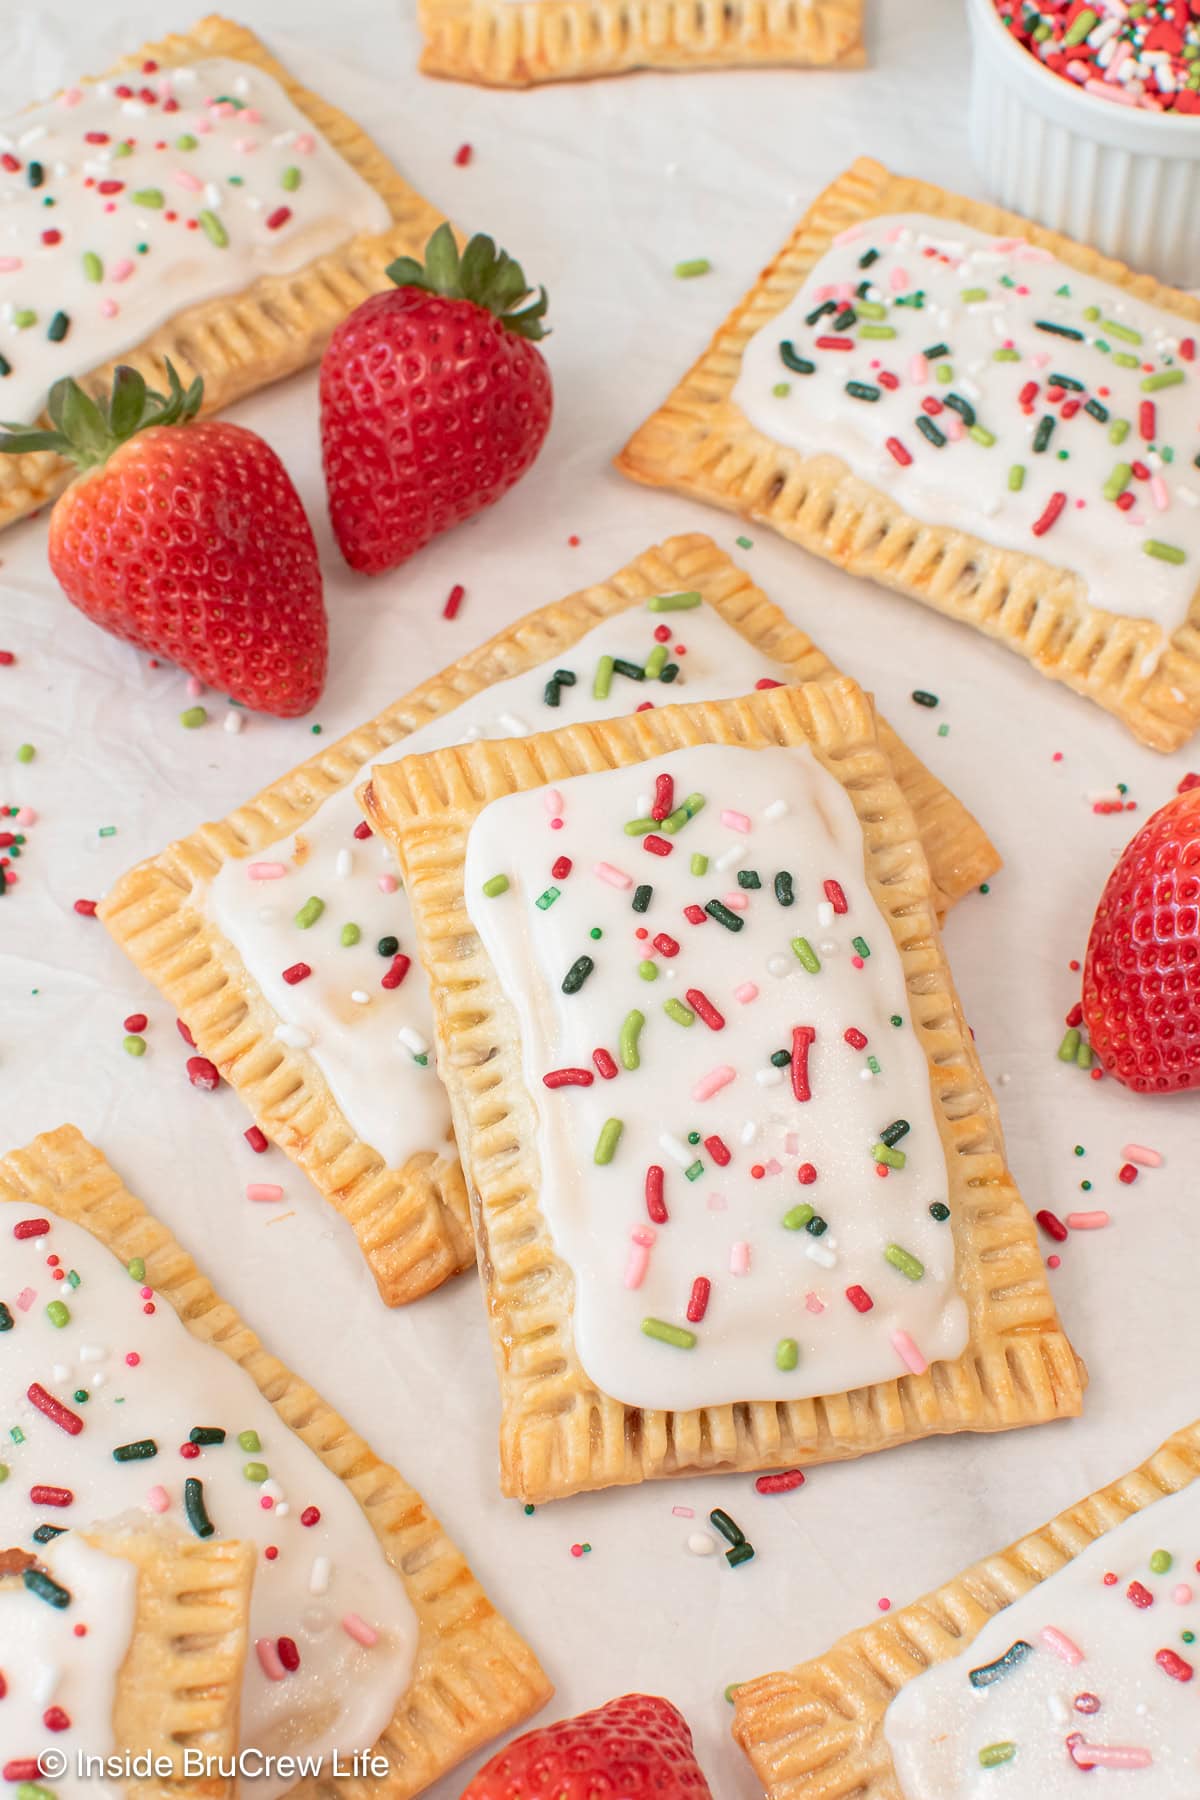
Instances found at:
x=1085 y=115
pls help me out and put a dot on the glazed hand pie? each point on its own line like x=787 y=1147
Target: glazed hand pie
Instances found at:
x=134 y=1392
x=1070 y=1652
x=280 y=937
x=205 y=208
x=515 y=43
x=977 y=412
x=738 y=1181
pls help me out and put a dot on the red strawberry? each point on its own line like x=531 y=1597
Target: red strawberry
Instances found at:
x=434 y=400
x=635 y=1748
x=186 y=538
x=1141 y=978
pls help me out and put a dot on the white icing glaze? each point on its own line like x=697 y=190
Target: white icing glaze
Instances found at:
x=938 y=1724
x=343 y=1693
x=232 y=166
x=394 y=1102
x=964 y=484
x=35 y=1636
x=725 y=1218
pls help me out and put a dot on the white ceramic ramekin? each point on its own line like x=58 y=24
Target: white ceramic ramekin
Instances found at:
x=1123 y=180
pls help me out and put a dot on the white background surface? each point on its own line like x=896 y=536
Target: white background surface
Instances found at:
x=600 y=189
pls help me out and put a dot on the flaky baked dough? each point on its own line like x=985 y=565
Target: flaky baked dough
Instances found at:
x=700 y=443
x=559 y=1433
x=473 y=1676
x=412 y=1223
x=239 y=342
x=816 y=1732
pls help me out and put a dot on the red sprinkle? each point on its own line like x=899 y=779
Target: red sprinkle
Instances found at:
x=1054 y=507
x=902 y=456
x=184 y=1033
x=1127 y=501
x=695 y=915
x=462 y=156
x=803 y=1037
x=1173 y=1665
x=279 y=217
x=665 y=945
x=836 y=896
x=856 y=1039
x=1052 y=1225
x=203 y=1074
x=859 y=1299
x=1127 y=1173
x=51 y=1496
x=136 y=1022
x=656 y=1206
x=454 y=600
x=256 y=1139
x=55 y=1719
x=1075 y=1016
x=1187 y=349
x=189 y=1451
x=704 y=1009
x=52 y=236
x=783 y=1483
x=288 y=1654
x=86 y=908
x=31 y=1228
x=657 y=846
x=765 y=682
x=55 y=1411
x=561 y=868
x=1147 y=420
x=557 y=1078
x=1028 y=393
x=362 y=830
x=835 y=343
x=298 y=972
x=8 y=161
x=806 y=1174
x=392 y=977
x=311 y=1515
x=697 y=1304
x=664 y=796
x=7 y=659
x=22 y=1768
x=1141 y=1596
x=606 y=1068
x=719 y=1151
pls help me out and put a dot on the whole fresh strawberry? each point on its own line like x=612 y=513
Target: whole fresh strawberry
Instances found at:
x=187 y=538
x=434 y=400
x=1141 y=978
x=635 y=1748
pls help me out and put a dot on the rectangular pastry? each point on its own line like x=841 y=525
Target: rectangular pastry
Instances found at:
x=205 y=208
x=133 y=1389
x=693 y=1014
x=515 y=43
x=335 y=1064
x=132 y=1640
x=977 y=412
x=1070 y=1652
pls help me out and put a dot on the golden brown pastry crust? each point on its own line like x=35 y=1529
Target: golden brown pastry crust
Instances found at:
x=559 y=1433
x=502 y=44
x=701 y=444
x=816 y=1732
x=412 y=1223
x=240 y=342
x=473 y=1677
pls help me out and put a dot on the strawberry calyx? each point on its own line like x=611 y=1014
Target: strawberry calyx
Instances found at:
x=482 y=274
x=88 y=431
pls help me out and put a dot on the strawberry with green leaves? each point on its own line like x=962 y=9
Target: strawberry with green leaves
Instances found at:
x=434 y=399
x=186 y=538
x=635 y=1748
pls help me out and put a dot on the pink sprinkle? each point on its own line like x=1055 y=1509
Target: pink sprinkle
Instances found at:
x=713 y=1082
x=857 y=962
x=1039 y=359
x=644 y=1234
x=884 y=1604
x=263 y=1190
x=1182 y=1595
x=813 y=1303
x=70 y=96
x=553 y=801
x=352 y=1625
x=1159 y=494
x=387 y=884
x=245 y=146
x=899 y=279
x=918 y=370
x=121 y=271
x=251 y=116
x=1108 y=91
x=195 y=687
x=954 y=428
x=266 y=871
x=1134 y=1153
x=637 y=1265
x=683 y=1512
x=203 y=125
x=739 y=1258
x=615 y=877
x=908 y=1353
x=26 y=1298
x=9 y=265
x=717 y=1203
x=1061 y=1645
x=774 y=1167
x=737 y=899
x=1110 y=1756
x=1087 y=1221
x=747 y=992
x=27 y=816
x=157 y=1499
x=185 y=179
x=268 y=1659
x=736 y=821
x=848 y=236
x=109 y=308
x=305 y=144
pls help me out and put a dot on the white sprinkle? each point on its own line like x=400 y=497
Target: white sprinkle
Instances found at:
x=359 y=998
x=700 y=1544
x=271 y=1489
x=234 y=721
x=779 y=964
x=343 y=863
x=824 y=914
x=819 y=1254
x=677 y=1150
x=865 y=1074
x=91 y=1353
x=61 y=1372
x=511 y=723
x=214 y=198
x=318 y=1576
x=294 y=1036
x=412 y=1040
x=736 y=853
x=778 y=809
x=769 y=1077
x=46 y=1680
x=748 y=1132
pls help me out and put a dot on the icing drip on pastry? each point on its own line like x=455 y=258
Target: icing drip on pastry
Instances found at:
x=1091 y=1670
x=106 y=1388
x=364 y=1016
x=125 y=201
x=737 y=1152
x=989 y=388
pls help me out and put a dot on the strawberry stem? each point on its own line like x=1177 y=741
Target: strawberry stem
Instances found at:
x=482 y=274
x=88 y=431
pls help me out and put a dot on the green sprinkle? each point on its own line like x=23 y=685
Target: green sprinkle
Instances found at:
x=255 y=1471
x=250 y=1442
x=787 y=1354
x=641 y=898
x=350 y=935
x=669 y=1334
x=495 y=885
x=781 y=389
x=577 y=974
x=884 y=1153
x=1165 y=378
x=206 y=1434
x=141 y=1450
x=694 y=1171
x=969 y=296
x=871 y=309
x=1126 y=333
x=185 y=141
x=1169 y=553
x=58 y=1313
x=135 y=1044
x=1006 y=356
x=309 y=913
x=877 y=331
x=944 y=373
x=807 y=955
x=546 y=900
x=24 y=317
x=33 y=1790
x=1160 y=1561
x=699 y=864
x=798 y=1216
x=192 y=716
x=859 y=944
x=716 y=909
x=606 y=1143
x=1091 y=314
x=903 y=1260
x=107 y=831
x=1118 y=431
x=290 y=180
x=674 y=602
x=46 y=1589
x=602 y=682
x=1067 y=1051
x=992 y=1755
x=682 y=1015
x=627 y=1042
x=1118 y=481
x=648 y=970
x=676 y=820
x=744 y=543
x=213 y=229
x=136 y=1269
x=25 y=753
x=1083 y=1056
x=194 y=1507
x=982 y=435
x=93 y=268
x=152 y=197
x=640 y=827
x=656 y=662
x=698 y=265
x=1124 y=361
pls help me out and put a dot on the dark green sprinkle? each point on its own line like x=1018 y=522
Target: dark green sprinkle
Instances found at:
x=783 y=888
x=577 y=974
x=58 y=327
x=5 y=366
x=928 y=429
x=388 y=946
x=923 y=697
x=845 y=319
x=819 y=312
x=206 y=1434
x=936 y=350
x=668 y=672
x=817 y=1226
x=141 y=1450
x=694 y=1170
x=550 y=693
x=799 y=365
x=46 y=1534
x=693 y=1137
x=963 y=408
x=862 y=390
x=717 y=910
x=863 y=289
x=634 y=670
x=1044 y=432
x=862 y=946
x=781 y=1058
x=641 y=898
x=939 y=1211
x=748 y=878
x=729 y=1528
x=565 y=677
x=41 y=1584
x=1066 y=331
x=194 y=1507
x=6 y=1318
x=35 y=174
x=1065 y=381
x=740 y=1553
x=867 y=258
x=1013 y=1657
x=1097 y=411
x=891 y=1134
